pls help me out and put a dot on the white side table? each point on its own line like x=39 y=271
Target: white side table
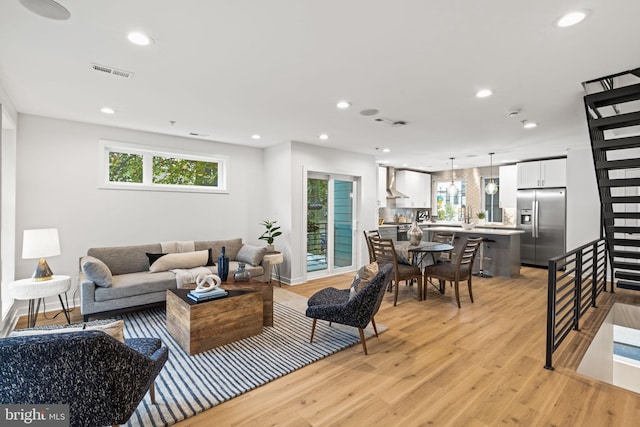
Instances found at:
x=275 y=259
x=29 y=289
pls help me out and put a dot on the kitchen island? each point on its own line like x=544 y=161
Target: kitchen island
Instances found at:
x=499 y=254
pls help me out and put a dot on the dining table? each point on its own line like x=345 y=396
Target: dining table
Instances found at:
x=417 y=254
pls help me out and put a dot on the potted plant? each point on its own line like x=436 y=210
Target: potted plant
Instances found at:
x=270 y=233
x=481 y=217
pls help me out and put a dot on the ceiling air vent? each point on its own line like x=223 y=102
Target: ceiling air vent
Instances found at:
x=111 y=70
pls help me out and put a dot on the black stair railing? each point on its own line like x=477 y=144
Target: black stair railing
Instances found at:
x=576 y=279
x=613 y=117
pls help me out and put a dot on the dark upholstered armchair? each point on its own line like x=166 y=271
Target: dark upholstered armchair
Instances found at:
x=334 y=305
x=101 y=379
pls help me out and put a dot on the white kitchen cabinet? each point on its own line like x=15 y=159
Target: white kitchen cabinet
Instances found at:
x=508 y=186
x=542 y=174
x=416 y=186
x=382 y=187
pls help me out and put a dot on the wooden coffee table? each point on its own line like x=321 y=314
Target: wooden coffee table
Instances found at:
x=266 y=289
x=205 y=325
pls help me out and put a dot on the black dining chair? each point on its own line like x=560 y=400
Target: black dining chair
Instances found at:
x=456 y=271
x=385 y=254
x=368 y=234
x=448 y=238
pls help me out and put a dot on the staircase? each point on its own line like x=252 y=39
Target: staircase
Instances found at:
x=612 y=106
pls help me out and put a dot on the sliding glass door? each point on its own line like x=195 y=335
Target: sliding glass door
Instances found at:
x=330 y=224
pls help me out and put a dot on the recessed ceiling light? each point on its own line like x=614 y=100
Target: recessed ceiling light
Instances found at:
x=404 y=165
x=572 y=18
x=382 y=162
x=528 y=125
x=386 y=150
x=255 y=136
x=323 y=136
x=139 y=38
x=107 y=110
x=343 y=105
x=483 y=93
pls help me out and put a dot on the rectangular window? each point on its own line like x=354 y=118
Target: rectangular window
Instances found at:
x=175 y=171
x=125 y=167
x=450 y=207
x=138 y=167
x=492 y=202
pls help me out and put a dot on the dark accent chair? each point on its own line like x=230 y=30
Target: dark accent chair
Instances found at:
x=101 y=379
x=334 y=305
x=385 y=253
x=458 y=270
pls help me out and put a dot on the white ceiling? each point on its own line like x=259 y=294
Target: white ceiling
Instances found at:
x=230 y=69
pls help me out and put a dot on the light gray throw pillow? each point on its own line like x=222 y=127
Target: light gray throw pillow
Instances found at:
x=97 y=271
x=251 y=254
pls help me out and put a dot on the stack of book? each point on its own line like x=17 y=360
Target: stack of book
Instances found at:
x=206 y=296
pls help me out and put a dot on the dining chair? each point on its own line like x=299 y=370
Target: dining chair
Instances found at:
x=367 y=235
x=448 y=238
x=385 y=254
x=456 y=271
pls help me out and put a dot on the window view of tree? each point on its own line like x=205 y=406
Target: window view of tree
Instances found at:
x=450 y=207
x=124 y=167
x=143 y=167
x=169 y=170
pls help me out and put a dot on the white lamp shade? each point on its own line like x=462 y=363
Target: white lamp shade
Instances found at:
x=491 y=187
x=40 y=243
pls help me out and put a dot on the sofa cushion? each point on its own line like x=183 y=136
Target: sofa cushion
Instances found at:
x=180 y=260
x=232 y=247
x=251 y=254
x=153 y=257
x=134 y=284
x=96 y=271
x=109 y=326
x=125 y=259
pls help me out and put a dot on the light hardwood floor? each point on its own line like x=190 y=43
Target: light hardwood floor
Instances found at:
x=481 y=365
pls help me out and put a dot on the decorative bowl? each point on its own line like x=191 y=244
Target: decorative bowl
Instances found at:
x=468 y=226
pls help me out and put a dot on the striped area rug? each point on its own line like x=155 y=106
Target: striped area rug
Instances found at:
x=189 y=385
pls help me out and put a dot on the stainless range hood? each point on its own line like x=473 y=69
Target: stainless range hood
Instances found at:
x=392 y=192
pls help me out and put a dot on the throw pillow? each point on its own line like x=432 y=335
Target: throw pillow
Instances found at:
x=183 y=260
x=363 y=277
x=110 y=327
x=251 y=254
x=96 y=271
x=153 y=257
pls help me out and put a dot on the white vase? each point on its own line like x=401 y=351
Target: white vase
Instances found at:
x=414 y=234
x=271 y=248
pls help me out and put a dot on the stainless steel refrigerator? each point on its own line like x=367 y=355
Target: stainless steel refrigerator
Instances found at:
x=542 y=215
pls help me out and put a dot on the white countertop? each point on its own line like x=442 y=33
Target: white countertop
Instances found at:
x=457 y=224
x=476 y=230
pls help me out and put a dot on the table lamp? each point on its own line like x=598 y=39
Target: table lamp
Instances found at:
x=41 y=243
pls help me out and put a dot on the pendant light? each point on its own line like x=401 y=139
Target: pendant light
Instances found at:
x=452 y=190
x=491 y=187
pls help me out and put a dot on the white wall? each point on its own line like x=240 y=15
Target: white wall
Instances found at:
x=277 y=205
x=306 y=157
x=8 y=120
x=57 y=186
x=583 y=201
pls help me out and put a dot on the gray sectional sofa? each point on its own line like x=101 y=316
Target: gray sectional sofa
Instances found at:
x=122 y=279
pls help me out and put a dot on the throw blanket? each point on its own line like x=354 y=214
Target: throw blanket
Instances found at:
x=178 y=247
x=186 y=277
